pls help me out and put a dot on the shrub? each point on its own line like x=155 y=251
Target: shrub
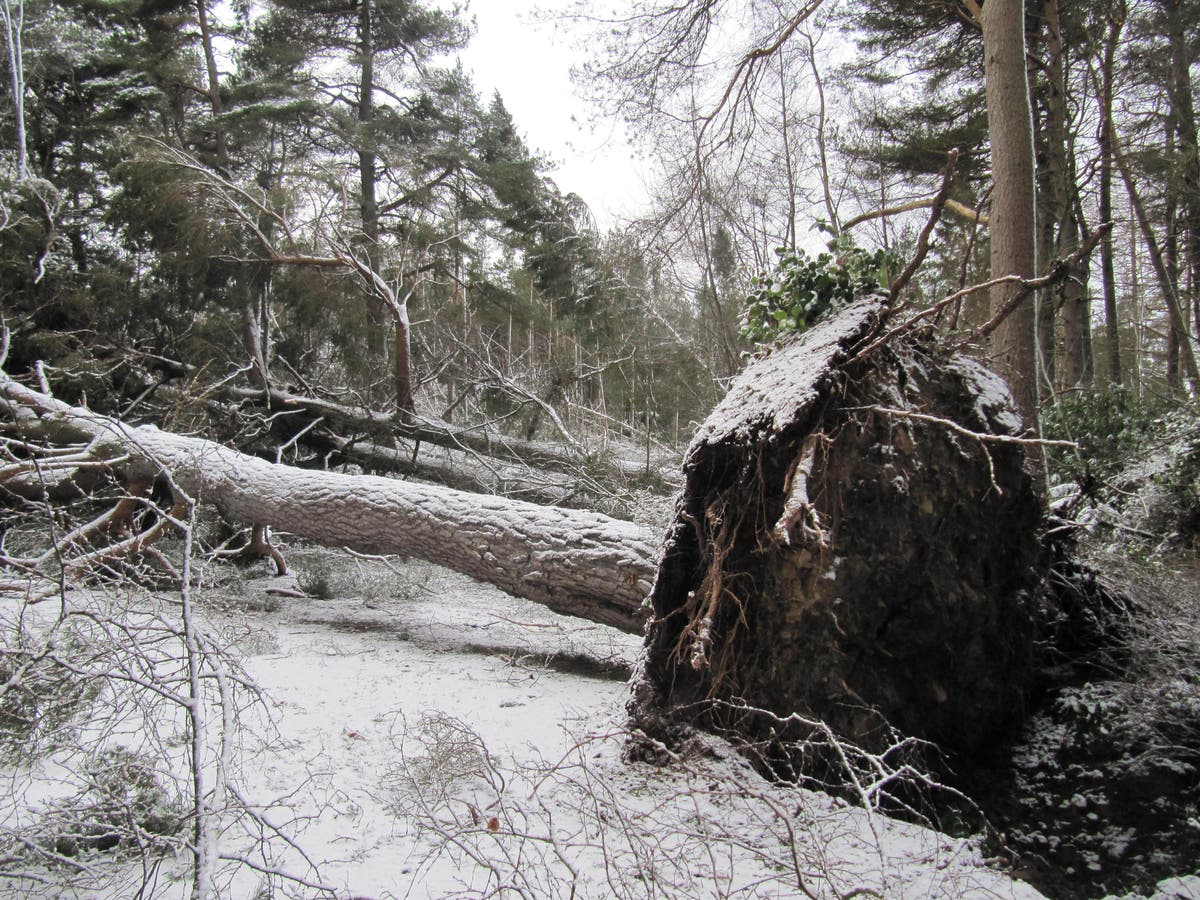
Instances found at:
x=40 y=700
x=126 y=806
x=1112 y=428
x=804 y=289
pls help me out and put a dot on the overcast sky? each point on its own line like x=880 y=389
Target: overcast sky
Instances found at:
x=530 y=65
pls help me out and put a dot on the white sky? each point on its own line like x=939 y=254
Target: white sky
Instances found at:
x=530 y=65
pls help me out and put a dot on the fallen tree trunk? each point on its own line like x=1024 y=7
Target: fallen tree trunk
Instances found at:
x=381 y=428
x=573 y=561
x=327 y=448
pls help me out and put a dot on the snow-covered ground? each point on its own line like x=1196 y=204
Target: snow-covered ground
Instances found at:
x=428 y=736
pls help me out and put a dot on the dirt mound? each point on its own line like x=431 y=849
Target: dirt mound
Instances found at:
x=846 y=548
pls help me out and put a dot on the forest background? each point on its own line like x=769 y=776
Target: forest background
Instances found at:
x=296 y=227
x=293 y=190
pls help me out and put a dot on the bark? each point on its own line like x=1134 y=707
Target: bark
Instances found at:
x=575 y=562
x=1010 y=130
x=367 y=174
x=1183 y=114
x=254 y=345
x=402 y=361
x=844 y=549
x=14 y=36
x=1107 y=265
x=214 y=82
x=1076 y=314
x=1063 y=221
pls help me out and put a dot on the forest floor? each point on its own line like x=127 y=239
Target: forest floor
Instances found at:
x=409 y=732
x=423 y=735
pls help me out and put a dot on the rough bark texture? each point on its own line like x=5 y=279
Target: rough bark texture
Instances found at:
x=573 y=561
x=861 y=567
x=1010 y=131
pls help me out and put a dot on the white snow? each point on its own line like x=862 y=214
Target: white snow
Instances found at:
x=428 y=736
x=776 y=390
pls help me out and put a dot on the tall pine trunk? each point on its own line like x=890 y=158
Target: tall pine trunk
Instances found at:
x=1063 y=224
x=1013 y=219
x=1183 y=115
x=214 y=83
x=1106 y=137
x=368 y=202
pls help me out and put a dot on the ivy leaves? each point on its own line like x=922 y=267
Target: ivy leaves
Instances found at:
x=804 y=289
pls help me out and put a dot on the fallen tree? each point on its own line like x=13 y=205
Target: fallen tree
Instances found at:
x=474 y=458
x=573 y=561
x=304 y=410
x=857 y=538
x=857 y=541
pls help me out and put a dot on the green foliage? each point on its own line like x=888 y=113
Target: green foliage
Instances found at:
x=805 y=289
x=1112 y=428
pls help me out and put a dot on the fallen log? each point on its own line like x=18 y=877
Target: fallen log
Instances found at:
x=380 y=428
x=326 y=448
x=573 y=561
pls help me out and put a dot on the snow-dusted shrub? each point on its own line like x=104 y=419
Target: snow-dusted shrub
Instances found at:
x=441 y=756
x=317 y=581
x=41 y=701
x=1136 y=474
x=1111 y=428
x=128 y=803
x=1104 y=788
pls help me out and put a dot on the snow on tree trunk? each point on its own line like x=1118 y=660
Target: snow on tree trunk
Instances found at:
x=573 y=561
x=836 y=555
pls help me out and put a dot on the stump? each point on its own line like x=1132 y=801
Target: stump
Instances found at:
x=837 y=552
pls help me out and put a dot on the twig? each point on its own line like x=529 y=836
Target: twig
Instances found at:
x=1060 y=271
x=966 y=432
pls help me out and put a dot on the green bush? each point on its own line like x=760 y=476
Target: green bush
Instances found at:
x=804 y=289
x=1112 y=428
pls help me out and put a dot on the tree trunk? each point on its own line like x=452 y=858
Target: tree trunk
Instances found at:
x=1183 y=114
x=402 y=361
x=14 y=37
x=364 y=141
x=575 y=562
x=1069 y=297
x=1161 y=272
x=1076 y=313
x=214 y=83
x=1010 y=130
x=1107 y=130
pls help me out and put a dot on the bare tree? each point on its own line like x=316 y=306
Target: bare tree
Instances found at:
x=13 y=13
